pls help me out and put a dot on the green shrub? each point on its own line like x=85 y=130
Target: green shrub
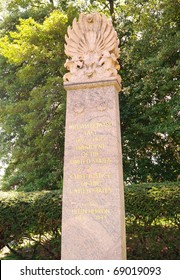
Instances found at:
x=152 y=221
x=25 y=215
x=148 y=203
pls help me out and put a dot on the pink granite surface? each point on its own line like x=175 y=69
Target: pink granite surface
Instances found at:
x=93 y=223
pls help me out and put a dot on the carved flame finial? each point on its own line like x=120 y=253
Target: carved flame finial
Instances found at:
x=92 y=46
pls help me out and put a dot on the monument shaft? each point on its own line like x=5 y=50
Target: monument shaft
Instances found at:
x=93 y=196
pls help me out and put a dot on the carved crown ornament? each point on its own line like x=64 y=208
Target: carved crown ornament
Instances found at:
x=92 y=48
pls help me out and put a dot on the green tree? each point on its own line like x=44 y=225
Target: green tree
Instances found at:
x=32 y=104
x=149 y=36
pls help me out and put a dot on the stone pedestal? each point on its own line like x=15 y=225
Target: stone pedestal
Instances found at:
x=93 y=222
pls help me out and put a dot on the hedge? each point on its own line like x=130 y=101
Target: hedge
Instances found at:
x=25 y=215
x=152 y=221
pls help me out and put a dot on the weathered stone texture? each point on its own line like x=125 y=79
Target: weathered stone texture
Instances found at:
x=93 y=196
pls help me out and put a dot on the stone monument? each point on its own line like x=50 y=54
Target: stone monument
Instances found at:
x=93 y=221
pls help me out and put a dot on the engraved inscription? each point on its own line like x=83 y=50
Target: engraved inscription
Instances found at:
x=99 y=213
x=103 y=190
x=94 y=125
x=90 y=147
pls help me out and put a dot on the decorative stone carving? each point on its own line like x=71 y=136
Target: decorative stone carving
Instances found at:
x=92 y=46
x=87 y=102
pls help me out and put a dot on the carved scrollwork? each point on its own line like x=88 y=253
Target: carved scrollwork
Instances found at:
x=92 y=46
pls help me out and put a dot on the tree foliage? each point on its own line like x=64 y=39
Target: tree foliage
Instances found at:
x=32 y=98
x=149 y=36
x=33 y=102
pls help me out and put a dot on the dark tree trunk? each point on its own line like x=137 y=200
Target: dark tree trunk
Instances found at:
x=111 y=4
x=111 y=8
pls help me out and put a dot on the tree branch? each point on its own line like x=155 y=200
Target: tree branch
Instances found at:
x=111 y=8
